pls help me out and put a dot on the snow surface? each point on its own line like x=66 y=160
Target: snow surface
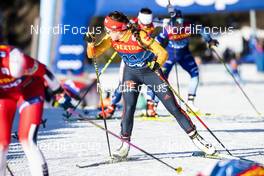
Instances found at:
x=235 y=123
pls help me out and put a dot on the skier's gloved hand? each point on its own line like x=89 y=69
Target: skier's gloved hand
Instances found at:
x=213 y=42
x=63 y=100
x=89 y=37
x=153 y=65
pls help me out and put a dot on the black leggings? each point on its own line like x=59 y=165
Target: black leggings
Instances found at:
x=132 y=81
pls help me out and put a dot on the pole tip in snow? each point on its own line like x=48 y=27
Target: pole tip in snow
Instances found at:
x=178 y=170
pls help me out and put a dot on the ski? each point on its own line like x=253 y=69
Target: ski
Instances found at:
x=84 y=119
x=79 y=119
x=158 y=118
x=162 y=118
x=93 y=115
x=202 y=114
x=106 y=162
x=219 y=156
x=94 y=164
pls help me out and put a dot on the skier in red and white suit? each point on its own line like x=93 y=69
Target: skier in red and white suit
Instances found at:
x=22 y=87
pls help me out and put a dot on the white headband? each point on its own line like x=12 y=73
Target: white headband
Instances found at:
x=145 y=18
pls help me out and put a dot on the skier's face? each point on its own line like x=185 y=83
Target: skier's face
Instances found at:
x=115 y=35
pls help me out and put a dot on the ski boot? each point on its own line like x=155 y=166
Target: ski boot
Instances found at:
x=192 y=108
x=108 y=112
x=122 y=152
x=151 y=109
x=202 y=144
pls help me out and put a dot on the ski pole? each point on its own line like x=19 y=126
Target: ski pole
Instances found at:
x=200 y=120
x=9 y=170
x=177 y=80
x=101 y=97
x=108 y=63
x=102 y=105
x=177 y=169
x=237 y=83
x=170 y=7
x=89 y=88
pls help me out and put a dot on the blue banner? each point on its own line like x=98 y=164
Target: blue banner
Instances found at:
x=70 y=47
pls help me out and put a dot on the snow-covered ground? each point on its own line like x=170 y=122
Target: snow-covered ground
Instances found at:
x=235 y=124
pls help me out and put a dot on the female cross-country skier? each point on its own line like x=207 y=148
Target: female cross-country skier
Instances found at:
x=178 y=34
x=142 y=56
x=144 y=21
x=22 y=87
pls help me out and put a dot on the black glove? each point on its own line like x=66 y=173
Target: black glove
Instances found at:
x=64 y=101
x=213 y=42
x=89 y=37
x=153 y=65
